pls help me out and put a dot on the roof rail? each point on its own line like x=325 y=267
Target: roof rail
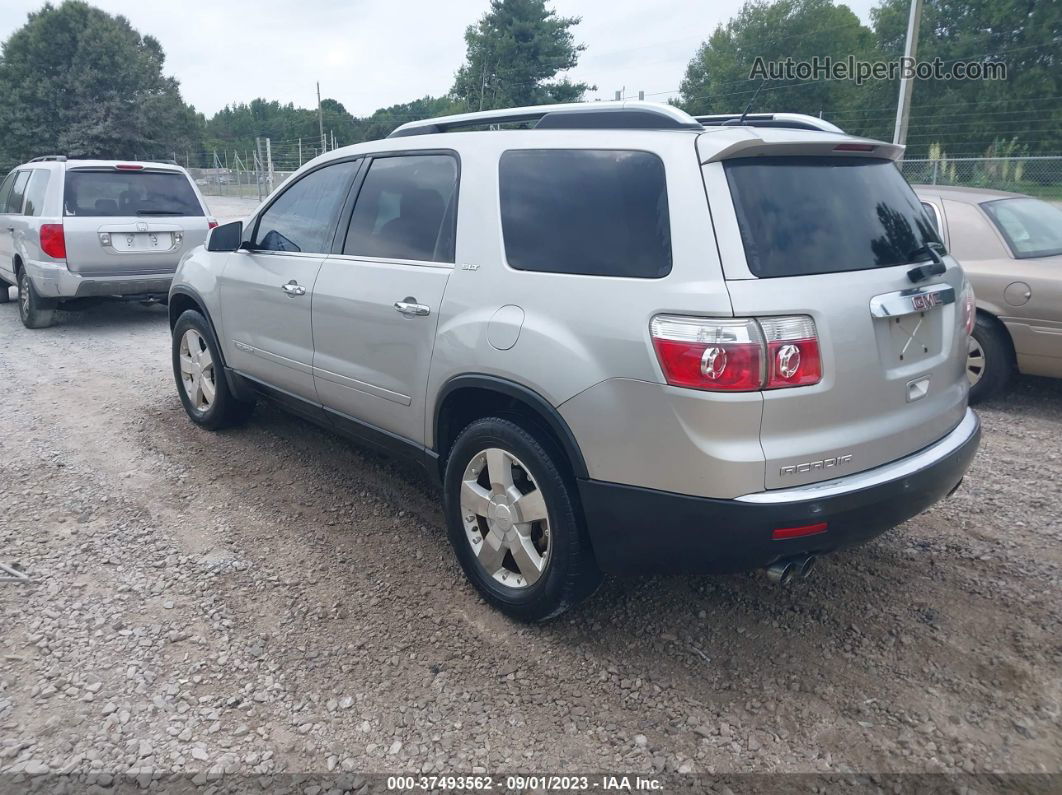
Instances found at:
x=568 y=116
x=43 y=158
x=790 y=121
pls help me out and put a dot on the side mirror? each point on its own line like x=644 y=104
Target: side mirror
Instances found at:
x=227 y=237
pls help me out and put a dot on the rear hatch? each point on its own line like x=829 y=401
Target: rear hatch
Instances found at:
x=832 y=235
x=130 y=220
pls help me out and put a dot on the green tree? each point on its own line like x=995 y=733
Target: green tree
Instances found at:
x=78 y=81
x=968 y=117
x=514 y=55
x=718 y=80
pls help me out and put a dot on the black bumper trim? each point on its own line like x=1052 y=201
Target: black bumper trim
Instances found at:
x=643 y=531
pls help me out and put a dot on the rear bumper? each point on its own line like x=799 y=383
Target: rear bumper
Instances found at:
x=54 y=280
x=642 y=531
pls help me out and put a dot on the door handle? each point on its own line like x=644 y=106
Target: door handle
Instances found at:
x=292 y=288
x=410 y=308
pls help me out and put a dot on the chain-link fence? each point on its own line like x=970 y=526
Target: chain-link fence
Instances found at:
x=1037 y=176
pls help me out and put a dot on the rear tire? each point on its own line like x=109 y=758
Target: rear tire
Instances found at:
x=514 y=521
x=200 y=376
x=35 y=311
x=990 y=360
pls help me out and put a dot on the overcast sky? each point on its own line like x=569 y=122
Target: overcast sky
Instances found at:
x=373 y=53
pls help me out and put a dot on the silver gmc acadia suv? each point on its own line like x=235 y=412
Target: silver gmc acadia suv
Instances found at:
x=621 y=339
x=73 y=231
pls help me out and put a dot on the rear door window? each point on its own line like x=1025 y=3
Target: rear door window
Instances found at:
x=589 y=212
x=406 y=209
x=5 y=190
x=18 y=192
x=35 y=190
x=806 y=215
x=303 y=218
x=1033 y=228
x=108 y=193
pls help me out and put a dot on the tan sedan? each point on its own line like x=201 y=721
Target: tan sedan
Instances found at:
x=1011 y=248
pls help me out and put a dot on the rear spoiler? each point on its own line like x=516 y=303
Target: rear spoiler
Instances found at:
x=761 y=142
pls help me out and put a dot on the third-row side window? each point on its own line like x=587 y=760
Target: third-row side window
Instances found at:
x=591 y=212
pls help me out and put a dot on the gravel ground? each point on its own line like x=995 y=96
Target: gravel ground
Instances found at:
x=273 y=599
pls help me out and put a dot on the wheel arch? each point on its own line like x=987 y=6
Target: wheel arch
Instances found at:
x=466 y=398
x=182 y=299
x=1000 y=326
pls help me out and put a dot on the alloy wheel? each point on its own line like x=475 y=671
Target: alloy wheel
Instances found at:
x=975 y=361
x=198 y=374
x=505 y=518
x=24 y=295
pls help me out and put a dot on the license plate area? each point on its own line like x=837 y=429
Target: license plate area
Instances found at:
x=909 y=325
x=141 y=241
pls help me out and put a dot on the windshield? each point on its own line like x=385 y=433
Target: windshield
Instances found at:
x=123 y=193
x=1033 y=228
x=805 y=215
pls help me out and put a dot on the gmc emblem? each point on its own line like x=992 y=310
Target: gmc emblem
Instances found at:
x=925 y=301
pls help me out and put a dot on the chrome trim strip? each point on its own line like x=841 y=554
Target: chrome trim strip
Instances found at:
x=907 y=302
x=362 y=386
x=902 y=468
x=420 y=263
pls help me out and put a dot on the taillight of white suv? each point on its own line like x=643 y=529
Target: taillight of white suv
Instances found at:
x=737 y=354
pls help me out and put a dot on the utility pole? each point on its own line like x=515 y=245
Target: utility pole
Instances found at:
x=300 y=153
x=903 y=105
x=269 y=165
x=320 y=117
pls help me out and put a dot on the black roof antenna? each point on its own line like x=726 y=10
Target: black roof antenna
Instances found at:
x=748 y=107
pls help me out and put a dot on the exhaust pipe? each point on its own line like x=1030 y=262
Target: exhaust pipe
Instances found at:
x=784 y=571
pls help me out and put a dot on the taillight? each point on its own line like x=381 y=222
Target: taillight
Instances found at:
x=969 y=307
x=724 y=355
x=212 y=223
x=53 y=241
x=792 y=351
x=737 y=354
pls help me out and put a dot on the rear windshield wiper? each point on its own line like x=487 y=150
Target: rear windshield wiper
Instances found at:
x=928 y=251
x=159 y=212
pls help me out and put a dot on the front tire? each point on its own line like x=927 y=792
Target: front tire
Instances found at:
x=200 y=375
x=989 y=360
x=514 y=522
x=35 y=311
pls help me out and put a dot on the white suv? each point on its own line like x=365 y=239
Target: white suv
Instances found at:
x=622 y=341
x=87 y=229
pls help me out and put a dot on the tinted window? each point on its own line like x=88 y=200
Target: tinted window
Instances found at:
x=804 y=215
x=1033 y=228
x=109 y=193
x=5 y=191
x=599 y=213
x=406 y=209
x=35 y=190
x=18 y=190
x=303 y=217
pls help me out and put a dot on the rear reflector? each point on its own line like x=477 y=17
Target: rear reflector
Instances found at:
x=53 y=241
x=854 y=148
x=783 y=533
x=129 y=167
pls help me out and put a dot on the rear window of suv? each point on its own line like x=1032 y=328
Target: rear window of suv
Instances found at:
x=590 y=212
x=109 y=193
x=805 y=215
